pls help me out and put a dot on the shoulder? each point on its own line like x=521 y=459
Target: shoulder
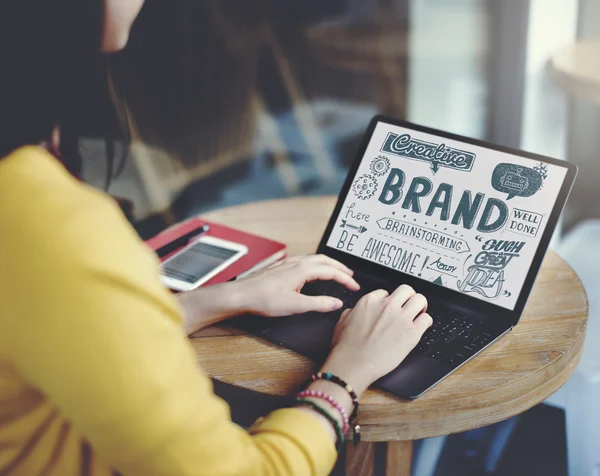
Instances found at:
x=67 y=252
x=52 y=222
x=39 y=195
x=41 y=202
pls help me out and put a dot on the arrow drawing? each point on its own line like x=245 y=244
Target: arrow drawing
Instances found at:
x=358 y=228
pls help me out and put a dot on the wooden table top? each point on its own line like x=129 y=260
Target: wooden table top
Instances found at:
x=522 y=369
x=576 y=69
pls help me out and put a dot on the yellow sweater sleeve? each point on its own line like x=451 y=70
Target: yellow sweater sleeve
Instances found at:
x=92 y=328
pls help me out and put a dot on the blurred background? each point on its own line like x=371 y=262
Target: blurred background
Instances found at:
x=233 y=101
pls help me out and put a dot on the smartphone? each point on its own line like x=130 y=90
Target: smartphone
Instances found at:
x=199 y=261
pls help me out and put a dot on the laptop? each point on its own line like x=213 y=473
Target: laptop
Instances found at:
x=464 y=222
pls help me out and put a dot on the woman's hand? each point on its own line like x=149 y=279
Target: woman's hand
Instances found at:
x=275 y=291
x=372 y=339
x=272 y=292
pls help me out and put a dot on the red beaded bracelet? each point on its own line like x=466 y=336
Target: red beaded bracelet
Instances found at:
x=332 y=401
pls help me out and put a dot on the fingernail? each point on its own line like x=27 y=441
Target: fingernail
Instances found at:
x=336 y=304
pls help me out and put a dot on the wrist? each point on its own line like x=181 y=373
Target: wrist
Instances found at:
x=207 y=306
x=238 y=298
x=249 y=297
x=355 y=371
x=341 y=396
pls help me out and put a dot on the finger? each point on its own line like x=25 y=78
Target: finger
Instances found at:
x=301 y=303
x=401 y=295
x=323 y=259
x=340 y=326
x=404 y=289
x=378 y=294
x=416 y=305
x=329 y=273
x=423 y=322
x=345 y=314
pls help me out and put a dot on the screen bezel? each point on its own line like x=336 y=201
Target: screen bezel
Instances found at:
x=396 y=277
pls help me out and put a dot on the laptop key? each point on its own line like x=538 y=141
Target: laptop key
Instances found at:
x=451 y=359
x=470 y=348
x=455 y=358
x=448 y=338
x=467 y=335
x=482 y=340
x=421 y=349
x=463 y=346
x=436 y=354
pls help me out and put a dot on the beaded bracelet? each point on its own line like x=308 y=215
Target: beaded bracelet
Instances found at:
x=336 y=425
x=332 y=401
x=338 y=381
x=354 y=416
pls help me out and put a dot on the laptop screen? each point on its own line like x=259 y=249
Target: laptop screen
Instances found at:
x=459 y=215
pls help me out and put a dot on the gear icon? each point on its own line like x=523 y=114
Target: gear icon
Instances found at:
x=380 y=165
x=542 y=170
x=365 y=187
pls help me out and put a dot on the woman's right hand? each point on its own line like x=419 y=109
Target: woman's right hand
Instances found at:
x=372 y=339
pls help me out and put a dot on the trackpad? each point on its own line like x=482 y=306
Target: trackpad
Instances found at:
x=308 y=334
x=414 y=376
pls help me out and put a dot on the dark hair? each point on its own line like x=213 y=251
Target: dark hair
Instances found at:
x=52 y=69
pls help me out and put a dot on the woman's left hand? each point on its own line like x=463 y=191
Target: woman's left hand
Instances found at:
x=275 y=291
x=272 y=292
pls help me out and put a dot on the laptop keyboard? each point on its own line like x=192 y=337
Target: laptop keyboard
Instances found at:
x=453 y=338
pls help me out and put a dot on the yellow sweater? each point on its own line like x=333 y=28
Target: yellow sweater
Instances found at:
x=96 y=373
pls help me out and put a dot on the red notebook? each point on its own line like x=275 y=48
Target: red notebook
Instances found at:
x=262 y=252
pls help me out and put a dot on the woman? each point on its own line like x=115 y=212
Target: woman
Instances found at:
x=96 y=373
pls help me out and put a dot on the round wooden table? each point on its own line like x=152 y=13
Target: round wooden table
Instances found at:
x=522 y=369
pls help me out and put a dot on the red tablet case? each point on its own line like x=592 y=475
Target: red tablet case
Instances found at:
x=261 y=251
